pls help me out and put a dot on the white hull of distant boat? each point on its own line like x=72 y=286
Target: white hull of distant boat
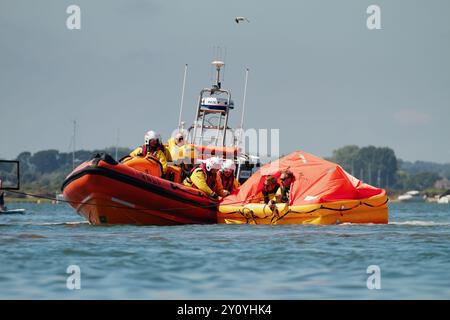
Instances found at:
x=411 y=196
x=13 y=211
x=444 y=200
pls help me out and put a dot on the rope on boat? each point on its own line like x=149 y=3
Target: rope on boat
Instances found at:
x=275 y=217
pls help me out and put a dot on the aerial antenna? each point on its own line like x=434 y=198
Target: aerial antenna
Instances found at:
x=219 y=54
x=182 y=97
x=117 y=142
x=218 y=64
x=241 y=133
x=243 y=107
x=73 y=144
x=211 y=72
x=214 y=57
x=379 y=178
x=225 y=61
x=244 y=98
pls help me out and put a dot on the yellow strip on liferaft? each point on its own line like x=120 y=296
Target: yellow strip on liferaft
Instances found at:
x=370 y=210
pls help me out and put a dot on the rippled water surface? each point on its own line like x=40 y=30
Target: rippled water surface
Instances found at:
x=225 y=261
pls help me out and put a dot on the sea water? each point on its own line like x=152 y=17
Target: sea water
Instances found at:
x=43 y=250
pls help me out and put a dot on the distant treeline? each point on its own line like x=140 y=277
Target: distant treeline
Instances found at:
x=43 y=172
x=380 y=167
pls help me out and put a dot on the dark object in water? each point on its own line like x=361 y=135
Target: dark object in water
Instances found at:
x=4 y=209
x=13 y=211
x=2 y=201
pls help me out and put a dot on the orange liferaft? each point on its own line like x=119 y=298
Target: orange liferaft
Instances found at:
x=322 y=192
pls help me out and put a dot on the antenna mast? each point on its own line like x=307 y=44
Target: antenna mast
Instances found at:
x=243 y=100
x=239 y=142
x=218 y=64
x=74 y=140
x=117 y=142
x=182 y=97
x=211 y=105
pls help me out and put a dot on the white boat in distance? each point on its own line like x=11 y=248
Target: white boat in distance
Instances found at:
x=444 y=200
x=411 y=196
x=445 y=197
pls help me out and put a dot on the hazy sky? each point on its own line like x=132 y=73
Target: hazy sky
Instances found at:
x=316 y=72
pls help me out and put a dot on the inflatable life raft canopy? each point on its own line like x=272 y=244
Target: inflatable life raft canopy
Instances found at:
x=317 y=181
x=321 y=189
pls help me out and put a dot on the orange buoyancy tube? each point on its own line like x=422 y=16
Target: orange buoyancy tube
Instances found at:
x=148 y=165
x=369 y=210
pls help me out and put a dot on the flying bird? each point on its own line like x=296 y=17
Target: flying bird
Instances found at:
x=241 y=19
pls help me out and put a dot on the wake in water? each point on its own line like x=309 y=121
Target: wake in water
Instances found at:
x=416 y=223
x=420 y=223
x=68 y=223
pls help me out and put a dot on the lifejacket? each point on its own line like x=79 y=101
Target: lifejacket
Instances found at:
x=157 y=152
x=147 y=149
x=266 y=194
x=210 y=179
x=177 y=153
x=227 y=182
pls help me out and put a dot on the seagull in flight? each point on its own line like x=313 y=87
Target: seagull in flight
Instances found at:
x=241 y=19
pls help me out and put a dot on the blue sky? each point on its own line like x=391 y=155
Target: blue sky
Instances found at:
x=316 y=72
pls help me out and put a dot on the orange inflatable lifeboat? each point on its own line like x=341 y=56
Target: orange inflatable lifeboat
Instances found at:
x=133 y=192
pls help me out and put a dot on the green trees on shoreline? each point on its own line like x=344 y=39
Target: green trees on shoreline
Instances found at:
x=380 y=167
x=376 y=166
x=43 y=172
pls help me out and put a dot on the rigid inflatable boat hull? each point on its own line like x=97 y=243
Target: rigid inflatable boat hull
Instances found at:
x=116 y=194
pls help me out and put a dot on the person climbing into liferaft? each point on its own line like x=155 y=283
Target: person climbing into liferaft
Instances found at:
x=283 y=192
x=153 y=147
x=270 y=188
x=204 y=177
x=226 y=181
